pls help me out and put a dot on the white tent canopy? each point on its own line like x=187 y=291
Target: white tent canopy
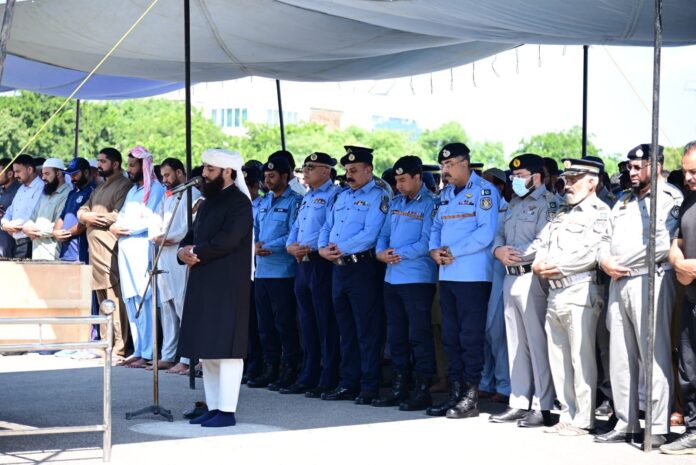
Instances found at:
x=322 y=40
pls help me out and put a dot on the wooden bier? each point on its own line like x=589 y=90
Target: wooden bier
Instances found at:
x=44 y=290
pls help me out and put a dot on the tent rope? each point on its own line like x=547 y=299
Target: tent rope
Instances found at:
x=84 y=81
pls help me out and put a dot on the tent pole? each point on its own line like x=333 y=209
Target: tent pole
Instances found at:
x=585 y=62
x=77 y=128
x=280 y=115
x=5 y=32
x=657 y=52
x=189 y=204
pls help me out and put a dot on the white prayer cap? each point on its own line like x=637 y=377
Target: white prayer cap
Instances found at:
x=56 y=163
x=93 y=163
x=221 y=158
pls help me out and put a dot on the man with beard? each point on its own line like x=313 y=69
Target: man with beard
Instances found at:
x=98 y=214
x=463 y=231
x=348 y=239
x=8 y=190
x=275 y=278
x=172 y=282
x=623 y=256
x=218 y=251
x=70 y=233
x=532 y=206
x=134 y=251
x=566 y=257
x=39 y=227
x=313 y=282
x=23 y=204
x=683 y=257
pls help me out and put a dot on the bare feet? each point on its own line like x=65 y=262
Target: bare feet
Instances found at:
x=141 y=363
x=161 y=365
x=130 y=360
x=179 y=368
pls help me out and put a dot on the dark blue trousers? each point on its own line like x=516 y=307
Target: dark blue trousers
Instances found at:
x=317 y=324
x=409 y=327
x=355 y=299
x=254 y=361
x=464 y=306
x=277 y=318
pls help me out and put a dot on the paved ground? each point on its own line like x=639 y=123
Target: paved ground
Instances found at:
x=46 y=391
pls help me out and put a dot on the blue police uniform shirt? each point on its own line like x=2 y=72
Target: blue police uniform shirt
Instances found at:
x=466 y=222
x=356 y=219
x=407 y=230
x=312 y=215
x=75 y=250
x=255 y=204
x=272 y=227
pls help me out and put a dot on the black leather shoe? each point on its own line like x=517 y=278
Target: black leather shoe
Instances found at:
x=456 y=392
x=365 y=398
x=509 y=415
x=269 y=375
x=468 y=406
x=604 y=409
x=613 y=437
x=533 y=419
x=199 y=408
x=340 y=393
x=420 y=399
x=317 y=392
x=296 y=388
x=288 y=375
x=397 y=394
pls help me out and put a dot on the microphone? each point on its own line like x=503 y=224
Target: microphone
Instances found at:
x=194 y=182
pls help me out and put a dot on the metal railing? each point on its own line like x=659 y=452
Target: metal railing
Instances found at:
x=107 y=308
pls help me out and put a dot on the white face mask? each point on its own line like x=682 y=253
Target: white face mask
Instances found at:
x=519 y=187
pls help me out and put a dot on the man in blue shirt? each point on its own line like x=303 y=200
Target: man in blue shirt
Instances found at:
x=275 y=278
x=348 y=239
x=409 y=286
x=463 y=230
x=253 y=364
x=68 y=230
x=313 y=282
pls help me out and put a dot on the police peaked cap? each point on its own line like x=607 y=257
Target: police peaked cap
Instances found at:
x=643 y=152
x=410 y=164
x=320 y=157
x=455 y=149
x=528 y=161
x=356 y=155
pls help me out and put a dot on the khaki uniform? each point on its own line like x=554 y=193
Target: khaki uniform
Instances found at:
x=525 y=301
x=627 y=237
x=108 y=198
x=570 y=242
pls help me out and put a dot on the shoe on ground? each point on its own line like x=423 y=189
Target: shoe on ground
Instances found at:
x=614 y=437
x=205 y=417
x=221 y=420
x=533 y=419
x=683 y=445
x=340 y=393
x=509 y=415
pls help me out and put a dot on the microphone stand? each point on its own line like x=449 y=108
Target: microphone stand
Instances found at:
x=156 y=408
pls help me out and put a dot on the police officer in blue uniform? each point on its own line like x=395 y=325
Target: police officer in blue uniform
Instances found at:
x=253 y=364
x=463 y=230
x=409 y=287
x=275 y=279
x=320 y=367
x=348 y=239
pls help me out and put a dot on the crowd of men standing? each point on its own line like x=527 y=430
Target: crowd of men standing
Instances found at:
x=533 y=285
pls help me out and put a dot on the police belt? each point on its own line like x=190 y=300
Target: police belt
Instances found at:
x=311 y=256
x=659 y=269
x=584 y=277
x=518 y=270
x=353 y=258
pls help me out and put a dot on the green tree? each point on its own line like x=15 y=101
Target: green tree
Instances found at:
x=432 y=140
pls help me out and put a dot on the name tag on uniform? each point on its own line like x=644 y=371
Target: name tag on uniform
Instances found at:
x=281 y=210
x=321 y=201
x=466 y=202
x=360 y=202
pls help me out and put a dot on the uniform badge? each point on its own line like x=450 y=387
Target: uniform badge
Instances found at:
x=246 y=174
x=639 y=153
x=486 y=192
x=550 y=214
x=516 y=163
x=469 y=195
x=270 y=165
x=313 y=157
x=399 y=170
x=567 y=164
x=79 y=199
x=486 y=203
x=351 y=157
x=384 y=206
x=446 y=153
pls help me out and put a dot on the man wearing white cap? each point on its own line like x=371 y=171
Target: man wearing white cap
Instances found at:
x=218 y=251
x=39 y=227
